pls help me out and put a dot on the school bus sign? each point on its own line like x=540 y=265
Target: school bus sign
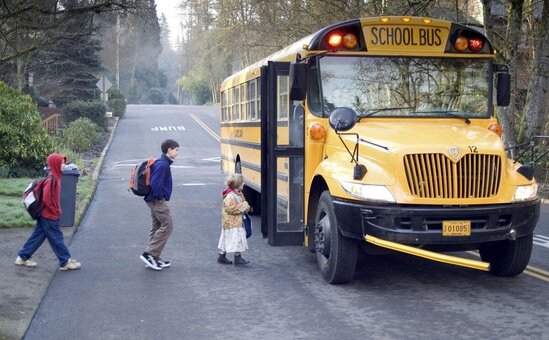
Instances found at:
x=389 y=37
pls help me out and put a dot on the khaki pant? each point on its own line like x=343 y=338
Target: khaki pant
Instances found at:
x=161 y=227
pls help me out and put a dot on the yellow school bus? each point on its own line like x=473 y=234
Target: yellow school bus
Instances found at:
x=380 y=133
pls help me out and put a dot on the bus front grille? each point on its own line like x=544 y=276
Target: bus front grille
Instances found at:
x=436 y=176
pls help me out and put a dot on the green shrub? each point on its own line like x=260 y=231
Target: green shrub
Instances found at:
x=198 y=87
x=117 y=107
x=81 y=134
x=117 y=102
x=24 y=143
x=61 y=147
x=115 y=93
x=95 y=111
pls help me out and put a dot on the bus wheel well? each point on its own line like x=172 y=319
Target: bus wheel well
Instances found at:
x=317 y=188
x=237 y=165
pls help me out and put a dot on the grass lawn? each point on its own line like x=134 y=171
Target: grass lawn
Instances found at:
x=14 y=215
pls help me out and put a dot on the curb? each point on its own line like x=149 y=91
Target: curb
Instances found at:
x=95 y=176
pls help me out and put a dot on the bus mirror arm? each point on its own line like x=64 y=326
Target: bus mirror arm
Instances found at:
x=343 y=119
x=359 y=170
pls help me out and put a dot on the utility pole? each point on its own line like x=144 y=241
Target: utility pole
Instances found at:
x=117 y=81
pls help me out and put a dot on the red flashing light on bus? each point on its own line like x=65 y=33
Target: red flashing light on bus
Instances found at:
x=475 y=44
x=334 y=39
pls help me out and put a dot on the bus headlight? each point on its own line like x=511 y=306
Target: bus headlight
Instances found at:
x=378 y=193
x=525 y=192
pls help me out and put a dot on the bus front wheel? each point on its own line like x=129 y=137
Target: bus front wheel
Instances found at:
x=336 y=255
x=507 y=258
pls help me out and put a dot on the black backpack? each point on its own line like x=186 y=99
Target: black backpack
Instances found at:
x=140 y=178
x=32 y=197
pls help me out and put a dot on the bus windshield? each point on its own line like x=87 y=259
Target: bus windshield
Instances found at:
x=405 y=87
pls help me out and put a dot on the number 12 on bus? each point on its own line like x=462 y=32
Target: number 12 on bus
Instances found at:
x=380 y=133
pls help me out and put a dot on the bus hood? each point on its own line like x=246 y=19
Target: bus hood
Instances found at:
x=419 y=137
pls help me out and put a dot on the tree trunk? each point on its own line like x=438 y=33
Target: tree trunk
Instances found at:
x=537 y=100
x=508 y=115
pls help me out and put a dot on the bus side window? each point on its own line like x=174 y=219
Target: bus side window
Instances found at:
x=313 y=92
x=283 y=97
x=296 y=123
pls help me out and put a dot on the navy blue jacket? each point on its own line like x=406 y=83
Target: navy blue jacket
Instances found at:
x=161 y=180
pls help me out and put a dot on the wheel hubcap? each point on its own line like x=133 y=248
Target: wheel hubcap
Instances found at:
x=322 y=237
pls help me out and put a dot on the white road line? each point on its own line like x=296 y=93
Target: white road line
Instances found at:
x=193 y=184
x=205 y=127
x=541 y=240
x=212 y=159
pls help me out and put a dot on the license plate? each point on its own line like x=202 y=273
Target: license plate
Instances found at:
x=456 y=228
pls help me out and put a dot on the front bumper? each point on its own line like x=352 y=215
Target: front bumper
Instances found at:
x=422 y=225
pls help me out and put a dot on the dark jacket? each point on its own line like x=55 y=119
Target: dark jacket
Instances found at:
x=161 y=180
x=51 y=194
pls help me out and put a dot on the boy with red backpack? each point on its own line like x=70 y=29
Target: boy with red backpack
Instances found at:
x=47 y=225
x=160 y=192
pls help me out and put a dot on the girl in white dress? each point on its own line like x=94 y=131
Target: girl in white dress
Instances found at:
x=233 y=235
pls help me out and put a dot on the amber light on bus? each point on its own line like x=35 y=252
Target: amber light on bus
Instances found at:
x=496 y=128
x=317 y=131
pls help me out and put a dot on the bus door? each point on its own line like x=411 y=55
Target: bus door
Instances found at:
x=281 y=158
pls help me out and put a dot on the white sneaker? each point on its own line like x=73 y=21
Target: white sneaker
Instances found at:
x=150 y=261
x=26 y=263
x=71 y=265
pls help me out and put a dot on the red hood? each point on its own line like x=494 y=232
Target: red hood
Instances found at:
x=226 y=191
x=54 y=163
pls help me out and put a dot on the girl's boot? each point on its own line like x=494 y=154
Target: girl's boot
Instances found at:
x=223 y=260
x=239 y=261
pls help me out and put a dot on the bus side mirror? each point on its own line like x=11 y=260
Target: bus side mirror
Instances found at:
x=299 y=78
x=343 y=119
x=503 y=88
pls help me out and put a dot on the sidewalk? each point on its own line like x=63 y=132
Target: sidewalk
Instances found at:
x=21 y=288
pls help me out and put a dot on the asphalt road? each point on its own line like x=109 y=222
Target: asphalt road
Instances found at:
x=281 y=295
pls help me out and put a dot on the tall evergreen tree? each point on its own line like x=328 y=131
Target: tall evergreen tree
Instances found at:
x=69 y=69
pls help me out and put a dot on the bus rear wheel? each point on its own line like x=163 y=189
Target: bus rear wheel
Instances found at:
x=336 y=255
x=508 y=258
x=254 y=200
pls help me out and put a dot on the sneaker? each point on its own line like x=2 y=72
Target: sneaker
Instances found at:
x=71 y=265
x=150 y=261
x=26 y=263
x=163 y=264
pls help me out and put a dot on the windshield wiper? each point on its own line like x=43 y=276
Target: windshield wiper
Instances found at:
x=371 y=112
x=446 y=113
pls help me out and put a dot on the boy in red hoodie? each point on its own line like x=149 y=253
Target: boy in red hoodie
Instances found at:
x=47 y=225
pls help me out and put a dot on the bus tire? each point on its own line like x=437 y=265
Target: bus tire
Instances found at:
x=238 y=168
x=336 y=255
x=507 y=258
x=254 y=200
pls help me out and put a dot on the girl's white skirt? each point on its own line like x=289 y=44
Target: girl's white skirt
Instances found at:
x=233 y=240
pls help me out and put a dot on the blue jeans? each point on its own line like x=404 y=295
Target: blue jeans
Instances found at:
x=46 y=229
